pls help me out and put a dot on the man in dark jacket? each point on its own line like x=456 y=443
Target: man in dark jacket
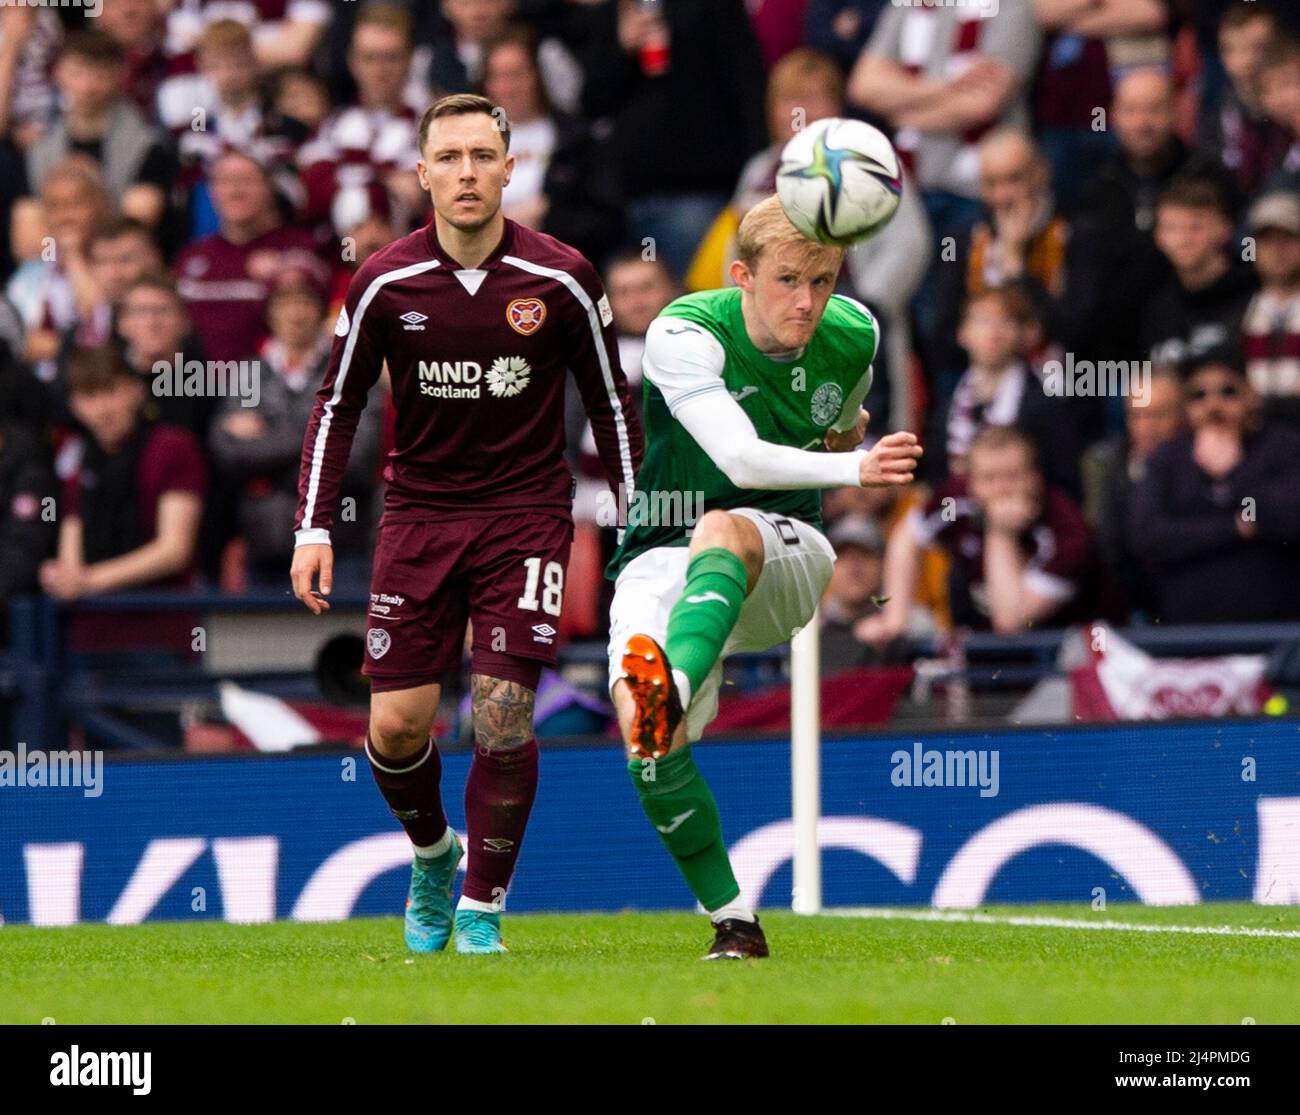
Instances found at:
x=1217 y=515
x=683 y=89
x=1118 y=207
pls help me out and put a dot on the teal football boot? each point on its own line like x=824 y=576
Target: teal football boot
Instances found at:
x=428 y=903
x=478 y=932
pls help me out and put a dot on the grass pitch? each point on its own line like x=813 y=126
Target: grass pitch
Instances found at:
x=634 y=968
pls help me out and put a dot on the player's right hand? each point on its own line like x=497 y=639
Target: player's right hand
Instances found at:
x=309 y=563
x=892 y=460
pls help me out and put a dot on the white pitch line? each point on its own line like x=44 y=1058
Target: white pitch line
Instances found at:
x=1052 y=923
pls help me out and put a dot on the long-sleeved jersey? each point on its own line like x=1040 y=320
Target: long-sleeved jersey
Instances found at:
x=478 y=361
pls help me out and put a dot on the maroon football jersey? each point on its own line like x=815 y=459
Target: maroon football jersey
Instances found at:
x=226 y=285
x=477 y=360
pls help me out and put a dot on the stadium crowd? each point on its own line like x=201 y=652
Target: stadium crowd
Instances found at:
x=1090 y=294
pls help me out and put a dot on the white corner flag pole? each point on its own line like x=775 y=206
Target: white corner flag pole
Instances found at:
x=805 y=765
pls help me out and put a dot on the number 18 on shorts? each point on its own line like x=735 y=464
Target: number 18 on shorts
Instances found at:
x=503 y=572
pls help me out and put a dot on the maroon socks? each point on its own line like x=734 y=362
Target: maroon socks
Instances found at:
x=499 y=796
x=411 y=786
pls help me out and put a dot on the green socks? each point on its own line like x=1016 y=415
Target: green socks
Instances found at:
x=681 y=807
x=673 y=793
x=705 y=613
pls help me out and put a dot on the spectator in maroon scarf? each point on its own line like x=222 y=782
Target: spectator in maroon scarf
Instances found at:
x=1270 y=337
x=372 y=141
x=137 y=25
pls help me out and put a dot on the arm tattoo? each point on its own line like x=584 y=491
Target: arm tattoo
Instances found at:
x=503 y=713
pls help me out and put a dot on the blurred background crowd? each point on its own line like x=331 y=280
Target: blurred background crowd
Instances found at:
x=1090 y=295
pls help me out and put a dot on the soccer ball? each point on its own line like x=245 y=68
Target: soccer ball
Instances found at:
x=839 y=181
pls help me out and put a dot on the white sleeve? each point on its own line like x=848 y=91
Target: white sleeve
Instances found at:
x=849 y=411
x=684 y=361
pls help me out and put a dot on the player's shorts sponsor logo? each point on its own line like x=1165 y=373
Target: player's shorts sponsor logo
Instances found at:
x=543 y=633
x=413 y=321
x=826 y=403
x=508 y=376
x=378 y=641
x=384 y=605
x=525 y=315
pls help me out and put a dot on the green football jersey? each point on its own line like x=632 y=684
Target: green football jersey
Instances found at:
x=791 y=403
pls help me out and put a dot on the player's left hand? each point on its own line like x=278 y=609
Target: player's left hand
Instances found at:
x=845 y=441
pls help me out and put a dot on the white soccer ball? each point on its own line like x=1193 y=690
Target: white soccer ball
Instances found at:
x=839 y=181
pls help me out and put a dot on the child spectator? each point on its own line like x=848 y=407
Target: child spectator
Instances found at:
x=53 y=291
x=1001 y=388
x=1200 y=309
x=256 y=450
x=1021 y=553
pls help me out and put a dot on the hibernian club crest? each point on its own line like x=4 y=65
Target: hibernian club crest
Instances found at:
x=826 y=403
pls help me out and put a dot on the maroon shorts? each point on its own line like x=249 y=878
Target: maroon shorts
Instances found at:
x=505 y=573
